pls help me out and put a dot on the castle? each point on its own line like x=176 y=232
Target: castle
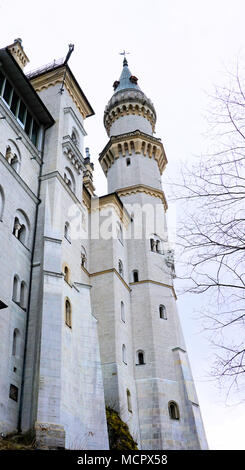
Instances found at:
x=88 y=312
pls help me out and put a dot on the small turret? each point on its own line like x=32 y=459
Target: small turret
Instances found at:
x=18 y=53
x=88 y=174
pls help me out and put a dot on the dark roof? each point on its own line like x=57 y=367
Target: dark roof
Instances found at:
x=23 y=86
x=57 y=64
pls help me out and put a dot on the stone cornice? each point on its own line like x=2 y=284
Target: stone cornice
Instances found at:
x=142 y=188
x=125 y=109
x=157 y=283
x=111 y=200
x=73 y=154
x=19 y=179
x=112 y=270
x=56 y=174
x=136 y=142
x=55 y=76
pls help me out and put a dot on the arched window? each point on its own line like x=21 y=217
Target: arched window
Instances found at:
x=124 y=355
x=16 y=227
x=16 y=293
x=135 y=276
x=15 y=163
x=66 y=274
x=122 y=312
x=21 y=227
x=67 y=232
x=8 y=154
x=153 y=244
x=2 y=200
x=140 y=357
x=74 y=137
x=83 y=257
x=156 y=244
x=23 y=290
x=13 y=157
x=173 y=410
x=15 y=345
x=70 y=180
x=129 y=401
x=68 y=313
x=162 y=312
x=22 y=234
x=120 y=267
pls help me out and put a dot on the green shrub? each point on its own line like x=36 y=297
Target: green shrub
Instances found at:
x=119 y=435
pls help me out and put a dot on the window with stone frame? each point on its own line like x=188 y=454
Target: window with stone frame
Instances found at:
x=68 y=317
x=173 y=410
x=163 y=312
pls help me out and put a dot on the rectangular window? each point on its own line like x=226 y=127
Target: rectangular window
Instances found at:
x=22 y=112
x=2 y=78
x=28 y=123
x=34 y=134
x=14 y=103
x=19 y=109
x=7 y=92
x=13 y=392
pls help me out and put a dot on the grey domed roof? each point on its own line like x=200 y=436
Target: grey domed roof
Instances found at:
x=127 y=89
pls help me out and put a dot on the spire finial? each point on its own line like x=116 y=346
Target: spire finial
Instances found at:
x=125 y=62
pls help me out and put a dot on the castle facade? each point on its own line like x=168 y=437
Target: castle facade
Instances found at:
x=88 y=313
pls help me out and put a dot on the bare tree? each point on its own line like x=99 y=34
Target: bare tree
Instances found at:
x=212 y=229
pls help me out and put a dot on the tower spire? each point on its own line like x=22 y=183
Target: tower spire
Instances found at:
x=125 y=62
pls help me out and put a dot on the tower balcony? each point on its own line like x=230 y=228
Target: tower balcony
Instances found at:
x=133 y=143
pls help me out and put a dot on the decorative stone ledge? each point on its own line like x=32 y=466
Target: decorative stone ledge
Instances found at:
x=129 y=101
x=137 y=142
x=142 y=188
x=126 y=109
x=73 y=154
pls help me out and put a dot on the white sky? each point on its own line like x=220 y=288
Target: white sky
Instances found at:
x=178 y=50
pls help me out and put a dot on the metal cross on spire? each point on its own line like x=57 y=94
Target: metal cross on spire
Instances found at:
x=125 y=62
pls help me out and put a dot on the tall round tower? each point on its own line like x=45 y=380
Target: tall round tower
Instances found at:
x=133 y=161
x=129 y=120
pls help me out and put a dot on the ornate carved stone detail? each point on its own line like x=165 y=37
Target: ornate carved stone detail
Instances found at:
x=73 y=154
x=127 y=108
x=134 y=142
x=141 y=188
x=18 y=53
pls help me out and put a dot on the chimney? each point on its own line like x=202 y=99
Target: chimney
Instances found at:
x=18 y=53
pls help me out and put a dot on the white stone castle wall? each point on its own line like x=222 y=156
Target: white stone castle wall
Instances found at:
x=19 y=194
x=69 y=391
x=130 y=123
x=142 y=170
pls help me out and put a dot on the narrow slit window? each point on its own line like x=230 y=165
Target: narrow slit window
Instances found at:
x=173 y=410
x=7 y=92
x=135 y=276
x=129 y=401
x=162 y=312
x=68 y=313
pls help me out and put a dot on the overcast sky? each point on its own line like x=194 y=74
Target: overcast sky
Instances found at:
x=178 y=50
